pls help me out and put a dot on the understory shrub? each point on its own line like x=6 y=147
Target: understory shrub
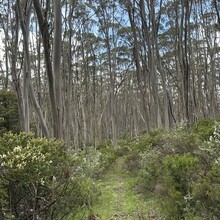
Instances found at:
x=38 y=180
x=203 y=129
x=206 y=194
x=137 y=154
x=152 y=156
x=182 y=168
x=206 y=191
x=210 y=149
x=179 y=172
x=9 y=114
x=149 y=173
x=108 y=155
x=94 y=162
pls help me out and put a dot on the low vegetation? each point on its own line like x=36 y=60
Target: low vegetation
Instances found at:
x=181 y=168
x=160 y=175
x=38 y=180
x=9 y=115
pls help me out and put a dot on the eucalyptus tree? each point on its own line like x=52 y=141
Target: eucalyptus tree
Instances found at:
x=191 y=48
x=144 y=17
x=45 y=32
x=28 y=88
x=210 y=34
x=105 y=13
x=10 y=65
x=131 y=10
x=111 y=67
x=5 y=25
x=68 y=22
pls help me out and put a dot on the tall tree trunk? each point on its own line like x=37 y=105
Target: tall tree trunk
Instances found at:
x=43 y=25
x=57 y=66
x=138 y=64
x=25 y=21
x=15 y=79
x=28 y=70
x=67 y=135
x=112 y=73
x=150 y=40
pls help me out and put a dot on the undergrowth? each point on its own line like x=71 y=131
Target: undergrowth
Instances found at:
x=160 y=175
x=181 y=168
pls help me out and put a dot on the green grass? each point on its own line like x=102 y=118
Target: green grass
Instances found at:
x=117 y=200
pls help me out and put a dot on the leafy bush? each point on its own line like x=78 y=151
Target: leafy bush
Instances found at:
x=211 y=148
x=203 y=129
x=141 y=156
x=182 y=168
x=150 y=172
x=206 y=194
x=108 y=155
x=122 y=150
x=38 y=178
x=206 y=191
x=9 y=115
x=158 y=145
x=179 y=173
x=154 y=138
x=132 y=162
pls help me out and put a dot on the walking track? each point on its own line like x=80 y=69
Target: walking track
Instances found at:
x=118 y=200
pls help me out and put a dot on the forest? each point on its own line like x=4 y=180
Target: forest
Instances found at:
x=100 y=94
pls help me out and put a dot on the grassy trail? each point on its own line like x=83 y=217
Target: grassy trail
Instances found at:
x=118 y=200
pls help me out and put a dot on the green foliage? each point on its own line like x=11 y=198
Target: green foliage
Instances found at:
x=38 y=180
x=203 y=129
x=206 y=191
x=150 y=172
x=181 y=167
x=153 y=149
x=211 y=148
x=93 y=162
x=179 y=170
x=179 y=173
x=141 y=154
x=206 y=194
x=108 y=155
x=132 y=162
x=148 y=140
x=122 y=150
x=9 y=116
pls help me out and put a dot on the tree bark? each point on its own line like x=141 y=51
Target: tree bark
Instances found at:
x=56 y=66
x=27 y=73
x=43 y=25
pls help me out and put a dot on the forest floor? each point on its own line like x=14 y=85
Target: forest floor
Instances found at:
x=118 y=199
